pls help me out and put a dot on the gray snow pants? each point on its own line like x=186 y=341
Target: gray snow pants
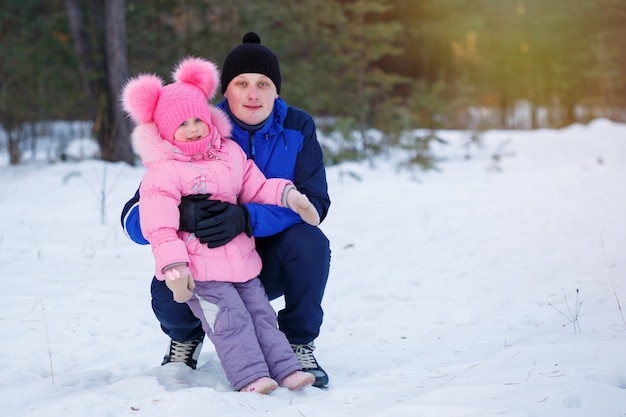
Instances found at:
x=241 y=323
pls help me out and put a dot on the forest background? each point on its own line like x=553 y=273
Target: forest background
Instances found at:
x=389 y=65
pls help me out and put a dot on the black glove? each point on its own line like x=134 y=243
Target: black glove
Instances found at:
x=222 y=222
x=214 y=222
x=192 y=210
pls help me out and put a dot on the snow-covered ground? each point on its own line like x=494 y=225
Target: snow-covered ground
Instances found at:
x=491 y=288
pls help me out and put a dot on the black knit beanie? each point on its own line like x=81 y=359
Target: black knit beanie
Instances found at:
x=251 y=56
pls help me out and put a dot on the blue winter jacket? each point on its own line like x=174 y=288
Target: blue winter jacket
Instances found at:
x=285 y=147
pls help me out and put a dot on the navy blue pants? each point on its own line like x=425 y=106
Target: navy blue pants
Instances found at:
x=296 y=263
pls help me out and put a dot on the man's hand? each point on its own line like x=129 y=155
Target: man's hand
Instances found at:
x=192 y=210
x=223 y=222
x=214 y=222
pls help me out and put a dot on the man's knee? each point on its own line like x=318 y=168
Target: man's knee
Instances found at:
x=307 y=241
x=299 y=253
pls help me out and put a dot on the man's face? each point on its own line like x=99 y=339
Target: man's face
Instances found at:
x=251 y=97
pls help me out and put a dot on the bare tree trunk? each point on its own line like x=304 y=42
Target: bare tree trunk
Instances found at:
x=82 y=47
x=15 y=138
x=100 y=43
x=14 y=131
x=504 y=107
x=115 y=28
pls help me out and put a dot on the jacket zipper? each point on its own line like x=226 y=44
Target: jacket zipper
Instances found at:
x=251 y=144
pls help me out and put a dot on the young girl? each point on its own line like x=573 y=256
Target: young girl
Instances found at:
x=183 y=142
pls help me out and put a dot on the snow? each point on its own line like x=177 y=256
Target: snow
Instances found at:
x=490 y=288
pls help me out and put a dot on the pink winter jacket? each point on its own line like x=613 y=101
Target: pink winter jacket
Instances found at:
x=224 y=172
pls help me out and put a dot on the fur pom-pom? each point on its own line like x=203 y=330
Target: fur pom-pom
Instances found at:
x=199 y=72
x=140 y=96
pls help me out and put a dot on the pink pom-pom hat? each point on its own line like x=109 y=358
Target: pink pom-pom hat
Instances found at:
x=146 y=100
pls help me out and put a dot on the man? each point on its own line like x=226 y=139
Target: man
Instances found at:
x=283 y=143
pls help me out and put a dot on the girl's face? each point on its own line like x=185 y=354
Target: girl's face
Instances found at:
x=191 y=130
x=251 y=97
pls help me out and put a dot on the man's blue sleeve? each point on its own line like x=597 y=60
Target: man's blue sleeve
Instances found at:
x=130 y=220
x=309 y=178
x=267 y=220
